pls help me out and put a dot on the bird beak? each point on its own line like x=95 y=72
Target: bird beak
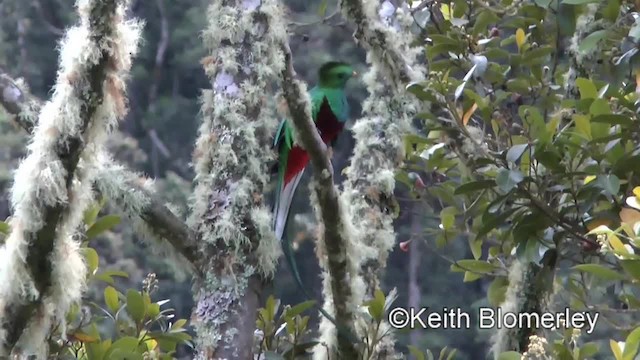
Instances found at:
x=354 y=74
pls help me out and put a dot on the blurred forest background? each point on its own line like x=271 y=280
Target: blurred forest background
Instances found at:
x=157 y=138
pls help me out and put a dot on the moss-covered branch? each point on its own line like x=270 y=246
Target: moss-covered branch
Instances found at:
x=124 y=188
x=339 y=263
x=41 y=270
x=134 y=196
x=530 y=291
x=231 y=156
x=379 y=146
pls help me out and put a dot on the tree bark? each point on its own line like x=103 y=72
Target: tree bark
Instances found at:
x=44 y=272
x=159 y=221
x=231 y=156
x=340 y=264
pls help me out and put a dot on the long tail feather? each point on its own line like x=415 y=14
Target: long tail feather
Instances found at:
x=283 y=204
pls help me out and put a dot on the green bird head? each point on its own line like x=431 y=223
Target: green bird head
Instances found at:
x=335 y=74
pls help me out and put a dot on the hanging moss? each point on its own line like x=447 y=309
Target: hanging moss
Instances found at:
x=42 y=271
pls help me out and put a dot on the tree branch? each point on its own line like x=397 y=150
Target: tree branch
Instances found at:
x=379 y=150
x=160 y=222
x=42 y=272
x=340 y=265
x=240 y=250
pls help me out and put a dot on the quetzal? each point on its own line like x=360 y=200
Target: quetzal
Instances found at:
x=329 y=110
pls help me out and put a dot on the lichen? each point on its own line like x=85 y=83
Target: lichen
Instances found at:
x=230 y=157
x=526 y=292
x=348 y=282
x=379 y=150
x=582 y=63
x=42 y=181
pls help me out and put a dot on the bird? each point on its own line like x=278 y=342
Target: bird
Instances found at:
x=330 y=111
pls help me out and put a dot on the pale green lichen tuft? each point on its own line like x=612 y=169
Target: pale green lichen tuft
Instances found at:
x=527 y=293
x=230 y=158
x=379 y=145
x=41 y=179
x=582 y=63
x=351 y=283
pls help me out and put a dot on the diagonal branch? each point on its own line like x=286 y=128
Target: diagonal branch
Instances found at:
x=339 y=263
x=43 y=273
x=160 y=221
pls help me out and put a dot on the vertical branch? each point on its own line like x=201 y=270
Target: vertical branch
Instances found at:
x=42 y=271
x=340 y=264
x=379 y=133
x=530 y=291
x=379 y=146
x=230 y=157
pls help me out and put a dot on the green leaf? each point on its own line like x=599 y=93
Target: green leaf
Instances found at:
x=497 y=291
x=611 y=11
x=448 y=217
x=299 y=308
x=590 y=42
x=599 y=107
x=91 y=213
x=587 y=88
x=493 y=222
x=609 y=183
x=508 y=179
x=123 y=345
x=632 y=267
x=471 y=276
x=178 y=324
x=631 y=345
x=483 y=20
x=615 y=349
x=583 y=125
x=322 y=9
x=272 y=307
x=588 y=350
x=518 y=85
x=474 y=186
x=477 y=266
x=600 y=271
x=515 y=153
x=135 y=305
x=537 y=55
x=97 y=350
x=510 y=355
x=476 y=247
x=92 y=258
x=613 y=119
x=103 y=224
x=117 y=273
x=5 y=228
x=579 y=2
x=417 y=354
x=111 y=299
x=376 y=305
